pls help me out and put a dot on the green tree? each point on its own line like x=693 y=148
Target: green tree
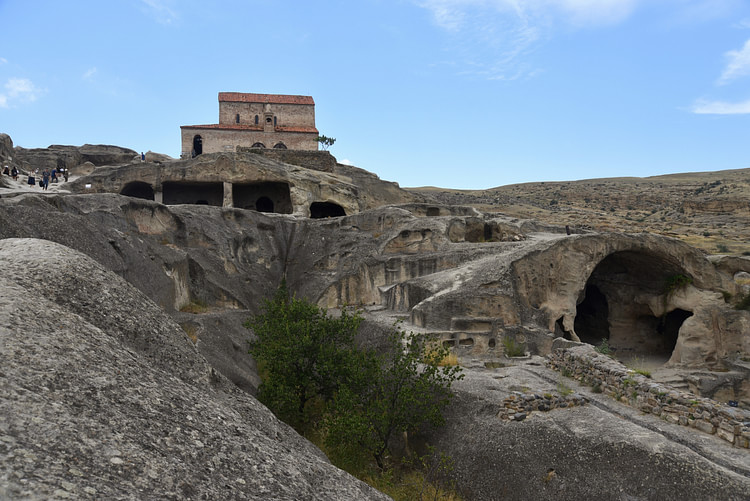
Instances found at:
x=303 y=355
x=326 y=142
x=403 y=390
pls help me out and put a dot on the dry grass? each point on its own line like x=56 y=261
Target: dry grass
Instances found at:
x=196 y=306
x=191 y=331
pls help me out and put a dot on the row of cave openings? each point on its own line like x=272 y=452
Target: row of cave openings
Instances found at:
x=271 y=197
x=198 y=145
x=613 y=306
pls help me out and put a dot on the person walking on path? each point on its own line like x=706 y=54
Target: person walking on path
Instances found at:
x=14 y=173
x=45 y=179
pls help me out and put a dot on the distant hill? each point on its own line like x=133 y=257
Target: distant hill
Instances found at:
x=709 y=210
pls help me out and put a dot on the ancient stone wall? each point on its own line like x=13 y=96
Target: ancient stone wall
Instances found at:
x=626 y=385
x=317 y=160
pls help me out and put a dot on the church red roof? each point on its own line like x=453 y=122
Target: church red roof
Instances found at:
x=241 y=97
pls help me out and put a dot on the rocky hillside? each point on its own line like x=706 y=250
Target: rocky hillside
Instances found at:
x=709 y=210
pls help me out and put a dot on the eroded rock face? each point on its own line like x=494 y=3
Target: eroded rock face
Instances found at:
x=103 y=396
x=247 y=181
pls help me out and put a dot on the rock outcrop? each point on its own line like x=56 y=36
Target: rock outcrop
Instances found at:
x=478 y=281
x=103 y=396
x=69 y=157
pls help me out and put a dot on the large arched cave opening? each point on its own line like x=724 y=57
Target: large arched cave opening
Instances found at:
x=138 y=189
x=618 y=303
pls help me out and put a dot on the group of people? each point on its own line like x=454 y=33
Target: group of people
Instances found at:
x=12 y=172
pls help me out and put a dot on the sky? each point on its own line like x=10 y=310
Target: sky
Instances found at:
x=465 y=94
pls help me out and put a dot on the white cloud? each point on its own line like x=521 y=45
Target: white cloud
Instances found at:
x=19 y=90
x=721 y=108
x=346 y=161
x=738 y=65
x=89 y=73
x=3 y=60
x=502 y=32
x=162 y=10
x=453 y=14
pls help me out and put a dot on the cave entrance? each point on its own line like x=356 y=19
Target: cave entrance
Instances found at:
x=326 y=209
x=138 y=189
x=267 y=196
x=592 y=316
x=175 y=193
x=621 y=303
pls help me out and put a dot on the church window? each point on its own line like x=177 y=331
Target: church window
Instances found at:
x=237 y=118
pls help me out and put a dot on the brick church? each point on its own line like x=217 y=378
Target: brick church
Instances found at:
x=257 y=121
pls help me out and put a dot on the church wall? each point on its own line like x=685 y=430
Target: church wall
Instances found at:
x=217 y=140
x=297 y=115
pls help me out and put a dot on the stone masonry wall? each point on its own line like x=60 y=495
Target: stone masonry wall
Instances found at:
x=679 y=407
x=218 y=140
x=286 y=114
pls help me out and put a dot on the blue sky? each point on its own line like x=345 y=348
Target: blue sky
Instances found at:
x=455 y=93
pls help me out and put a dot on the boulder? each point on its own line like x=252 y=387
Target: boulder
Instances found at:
x=103 y=396
x=104 y=154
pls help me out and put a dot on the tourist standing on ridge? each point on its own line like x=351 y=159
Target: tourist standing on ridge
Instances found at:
x=45 y=179
x=143 y=157
x=14 y=173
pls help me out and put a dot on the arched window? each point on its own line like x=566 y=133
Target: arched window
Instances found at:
x=256 y=119
x=264 y=204
x=274 y=121
x=258 y=145
x=197 y=145
x=268 y=120
x=279 y=146
x=237 y=118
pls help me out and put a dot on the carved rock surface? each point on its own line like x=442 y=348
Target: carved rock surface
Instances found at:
x=104 y=397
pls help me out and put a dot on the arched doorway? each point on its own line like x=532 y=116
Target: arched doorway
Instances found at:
x=279 y=146
x=258 y=145
x=326 y=209
x=138 y=189
x=264 y=204
x=197 y=145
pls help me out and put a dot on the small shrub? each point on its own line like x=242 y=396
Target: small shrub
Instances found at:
x=563 y=389
x=723 y=248
x=597 y=387
x=743 y=303
x=644 y=372
x=513 y=348
x=727 y=296
x=675 y=283
x=566 y=372
x=603 y=347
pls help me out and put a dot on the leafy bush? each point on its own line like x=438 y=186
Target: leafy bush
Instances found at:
x=351 y=401
x=398 y=392
x=303 y=355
